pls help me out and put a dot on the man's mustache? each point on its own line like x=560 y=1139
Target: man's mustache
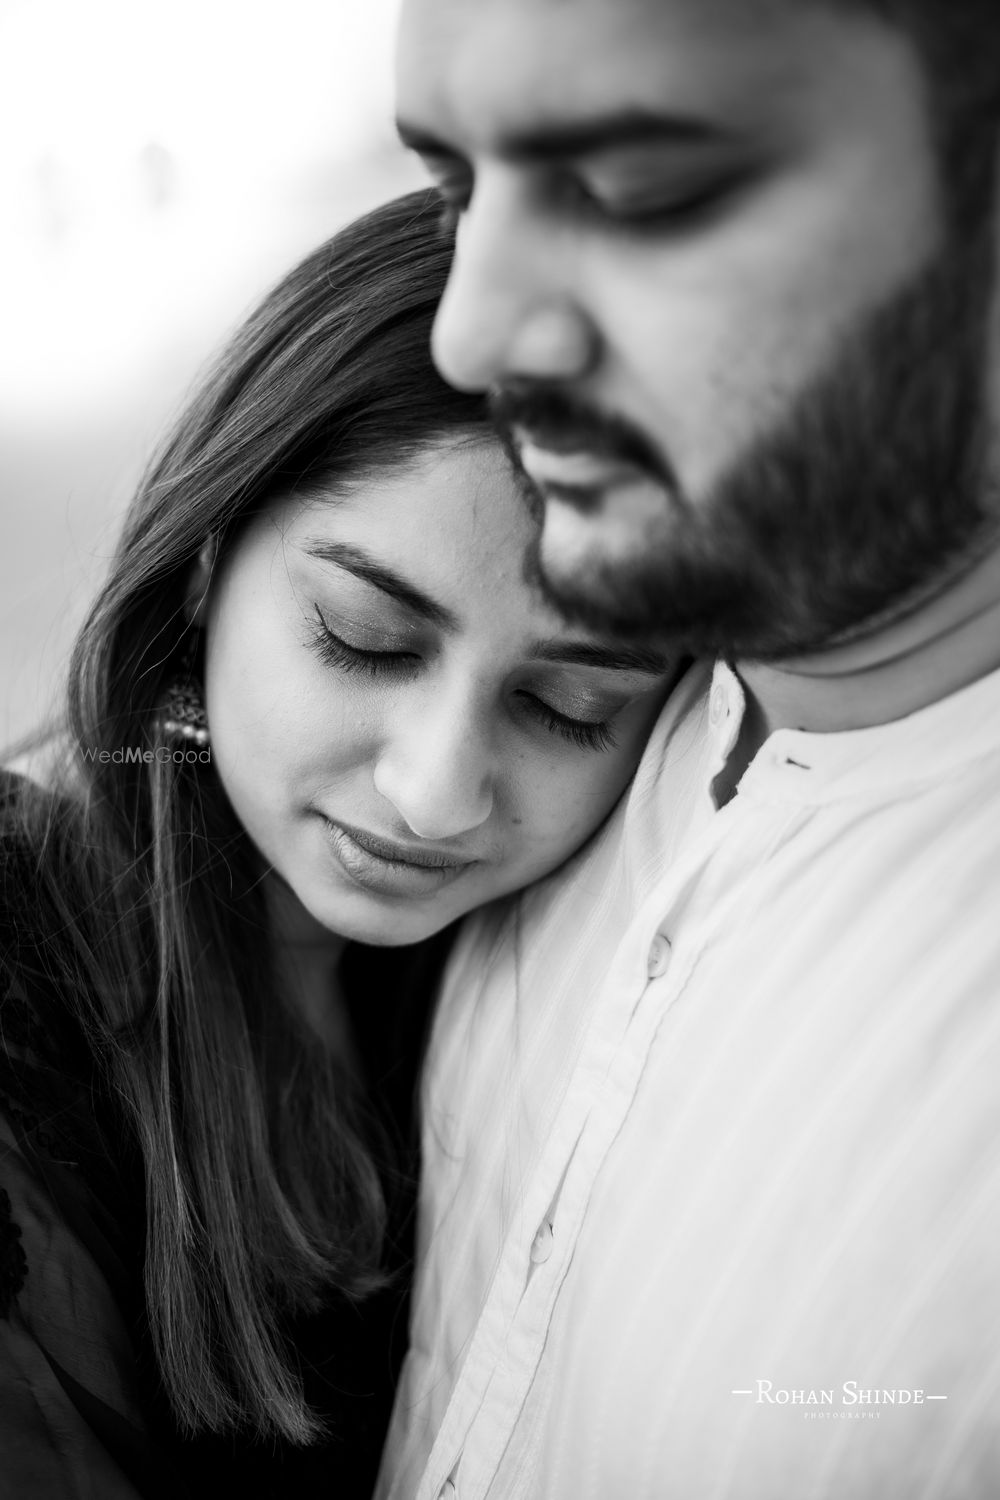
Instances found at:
x=561 y=422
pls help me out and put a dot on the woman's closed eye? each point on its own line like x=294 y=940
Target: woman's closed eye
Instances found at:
x=384 y=660
x=589 y=734
x=375 y=660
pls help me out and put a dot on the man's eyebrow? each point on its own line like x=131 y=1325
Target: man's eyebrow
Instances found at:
x=585 y=137
x=592 y=654
x=355 y=560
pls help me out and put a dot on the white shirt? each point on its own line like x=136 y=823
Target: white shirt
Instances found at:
x=712 y=1138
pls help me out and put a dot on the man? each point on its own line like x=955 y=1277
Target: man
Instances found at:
x=712 y=1195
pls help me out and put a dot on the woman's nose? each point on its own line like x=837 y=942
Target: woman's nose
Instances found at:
x=510 y=310
x=437 y=771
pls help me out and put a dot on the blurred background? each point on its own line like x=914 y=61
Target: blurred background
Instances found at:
x=162 y=162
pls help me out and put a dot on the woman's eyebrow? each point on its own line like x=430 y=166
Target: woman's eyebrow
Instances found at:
x=355 y=560
x=611 y=658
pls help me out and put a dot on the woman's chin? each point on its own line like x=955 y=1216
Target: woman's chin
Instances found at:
x=381 y=922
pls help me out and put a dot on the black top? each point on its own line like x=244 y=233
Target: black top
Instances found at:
x=81 y=1411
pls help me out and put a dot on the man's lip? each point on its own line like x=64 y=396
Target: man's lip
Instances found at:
x=421 y=857
x=551 y=439
x=576 y=468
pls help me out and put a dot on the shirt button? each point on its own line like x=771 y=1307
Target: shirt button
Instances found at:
x=541 y=1245
x=659 y=956
x=718 y=707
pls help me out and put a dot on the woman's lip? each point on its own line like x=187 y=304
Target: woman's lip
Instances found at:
x=403 y=854
x=386 y=868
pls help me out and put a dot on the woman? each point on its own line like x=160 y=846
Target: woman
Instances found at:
x=316 y=711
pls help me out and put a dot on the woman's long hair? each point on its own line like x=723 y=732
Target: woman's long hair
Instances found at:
x=262 y=1195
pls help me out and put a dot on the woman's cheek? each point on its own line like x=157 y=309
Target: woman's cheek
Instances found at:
x=580 y=800
x=566 y=808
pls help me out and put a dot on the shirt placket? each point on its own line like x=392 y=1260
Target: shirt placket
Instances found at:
x=503 y=1356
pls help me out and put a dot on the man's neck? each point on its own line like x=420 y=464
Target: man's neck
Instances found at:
x=946 y=644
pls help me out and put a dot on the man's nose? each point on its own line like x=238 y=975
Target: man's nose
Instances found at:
x=510 y=310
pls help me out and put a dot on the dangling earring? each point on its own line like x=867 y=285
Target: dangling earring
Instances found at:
x=182 y=718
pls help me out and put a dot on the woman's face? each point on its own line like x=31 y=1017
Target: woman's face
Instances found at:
x=404 y=729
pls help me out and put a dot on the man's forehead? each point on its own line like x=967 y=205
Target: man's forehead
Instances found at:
x=479 y=71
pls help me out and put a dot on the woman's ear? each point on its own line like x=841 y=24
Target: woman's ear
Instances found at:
x=199 y=583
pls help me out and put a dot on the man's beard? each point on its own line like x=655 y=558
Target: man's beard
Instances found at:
x=870 y=494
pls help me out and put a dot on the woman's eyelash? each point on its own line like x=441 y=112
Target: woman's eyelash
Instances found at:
x=577 y=731
x=337 y=653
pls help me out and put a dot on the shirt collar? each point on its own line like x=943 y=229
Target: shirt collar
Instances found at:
x=670 y=801
x=887 y=759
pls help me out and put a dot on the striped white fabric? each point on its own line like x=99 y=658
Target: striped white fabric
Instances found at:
x=711 y=1207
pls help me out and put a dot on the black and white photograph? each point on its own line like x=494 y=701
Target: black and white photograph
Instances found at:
x=500 y=724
